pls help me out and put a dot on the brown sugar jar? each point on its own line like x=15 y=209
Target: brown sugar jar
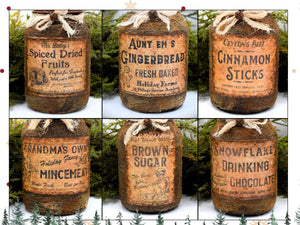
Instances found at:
x=244 y=166
x=57 y=61
x=56 y=167
x=150 y=165
x=244 y=59
x=153 y=60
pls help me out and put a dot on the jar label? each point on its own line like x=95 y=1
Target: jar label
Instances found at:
x=244 y=66
x=153 y=65
x=56 y=165
x=150 y=161
x=56 y=66
x=243 y=169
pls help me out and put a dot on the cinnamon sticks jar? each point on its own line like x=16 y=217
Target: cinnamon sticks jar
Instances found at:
x=244 y=166
x=153 y=60
x=57 y=61
x=150 y=165
x=56 y=167
x=244 y=59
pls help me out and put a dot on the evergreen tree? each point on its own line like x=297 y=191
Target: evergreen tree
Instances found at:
x=66 y=222
x=137 y=219
x=78 y=219
x=47 y=219
x=287 y=219
x=273 y=219
x=107 y=222
x=5 y=218
x=119 y=218
x=59 y=220
x=243 y=220
x=35 y=217
x=220 y=219
x=188 y=220
x=17 y=215
x=204 y=222
x=53 y=222
x=96 y=220
x=297 y=219
x=160 y=220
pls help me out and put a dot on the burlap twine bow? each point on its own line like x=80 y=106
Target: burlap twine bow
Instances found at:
x=70 y=123
x=143 y=16
x=140 y=124
x=247 y=123
x=225 y=20
x=42 y=22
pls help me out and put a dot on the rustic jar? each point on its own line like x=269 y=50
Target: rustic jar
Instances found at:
x=153 y=61
x=57 y=61
x=56 y=168
x=150 y=165
x=244 y=59
x=244 y=166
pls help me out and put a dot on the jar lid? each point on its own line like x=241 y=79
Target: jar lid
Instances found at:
x=51 y=11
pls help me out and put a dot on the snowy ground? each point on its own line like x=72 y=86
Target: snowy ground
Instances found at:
x=92 y=110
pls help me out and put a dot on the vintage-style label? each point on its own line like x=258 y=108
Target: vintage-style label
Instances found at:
x=56 y=66
x=244 y=66
x=150 y=160
x=56 y=165
x=244 y=169
x=153 y=65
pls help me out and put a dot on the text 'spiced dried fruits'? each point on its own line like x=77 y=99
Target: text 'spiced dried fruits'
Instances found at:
x=150 y=165
x=56 y=167
x=57 y=61
x=244 y=57
x=153 y=54
x=244 y=166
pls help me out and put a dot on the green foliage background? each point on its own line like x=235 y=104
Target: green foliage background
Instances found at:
x=104 y=163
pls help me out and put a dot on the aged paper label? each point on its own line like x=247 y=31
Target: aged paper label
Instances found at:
x=244 y=169
x=56 y=66
x=150 y=160
x=153 y=65
x=56 y=165
x=244 y=66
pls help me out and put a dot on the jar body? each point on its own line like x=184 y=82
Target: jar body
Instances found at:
x=56 y=169
x=243 y=75
x=57 y=68
x=153 y=64
x=244 y=170
x=150 y=169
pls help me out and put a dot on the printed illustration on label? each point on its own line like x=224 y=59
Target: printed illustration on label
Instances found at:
x=151 y=165
x=153 y=65
x=244 y=66
x=56 y=66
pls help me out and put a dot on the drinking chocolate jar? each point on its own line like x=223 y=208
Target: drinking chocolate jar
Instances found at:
x=153 y=60
x=244 y=58
x=244 y=166
x=57 y=61
x=56 y=167
x=150 y=165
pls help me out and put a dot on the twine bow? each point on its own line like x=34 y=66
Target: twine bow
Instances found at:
x=247 y=123
x=141 y=124
x=42 y=22
x=143 y=16
x=225 y=20
x=70 y=123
